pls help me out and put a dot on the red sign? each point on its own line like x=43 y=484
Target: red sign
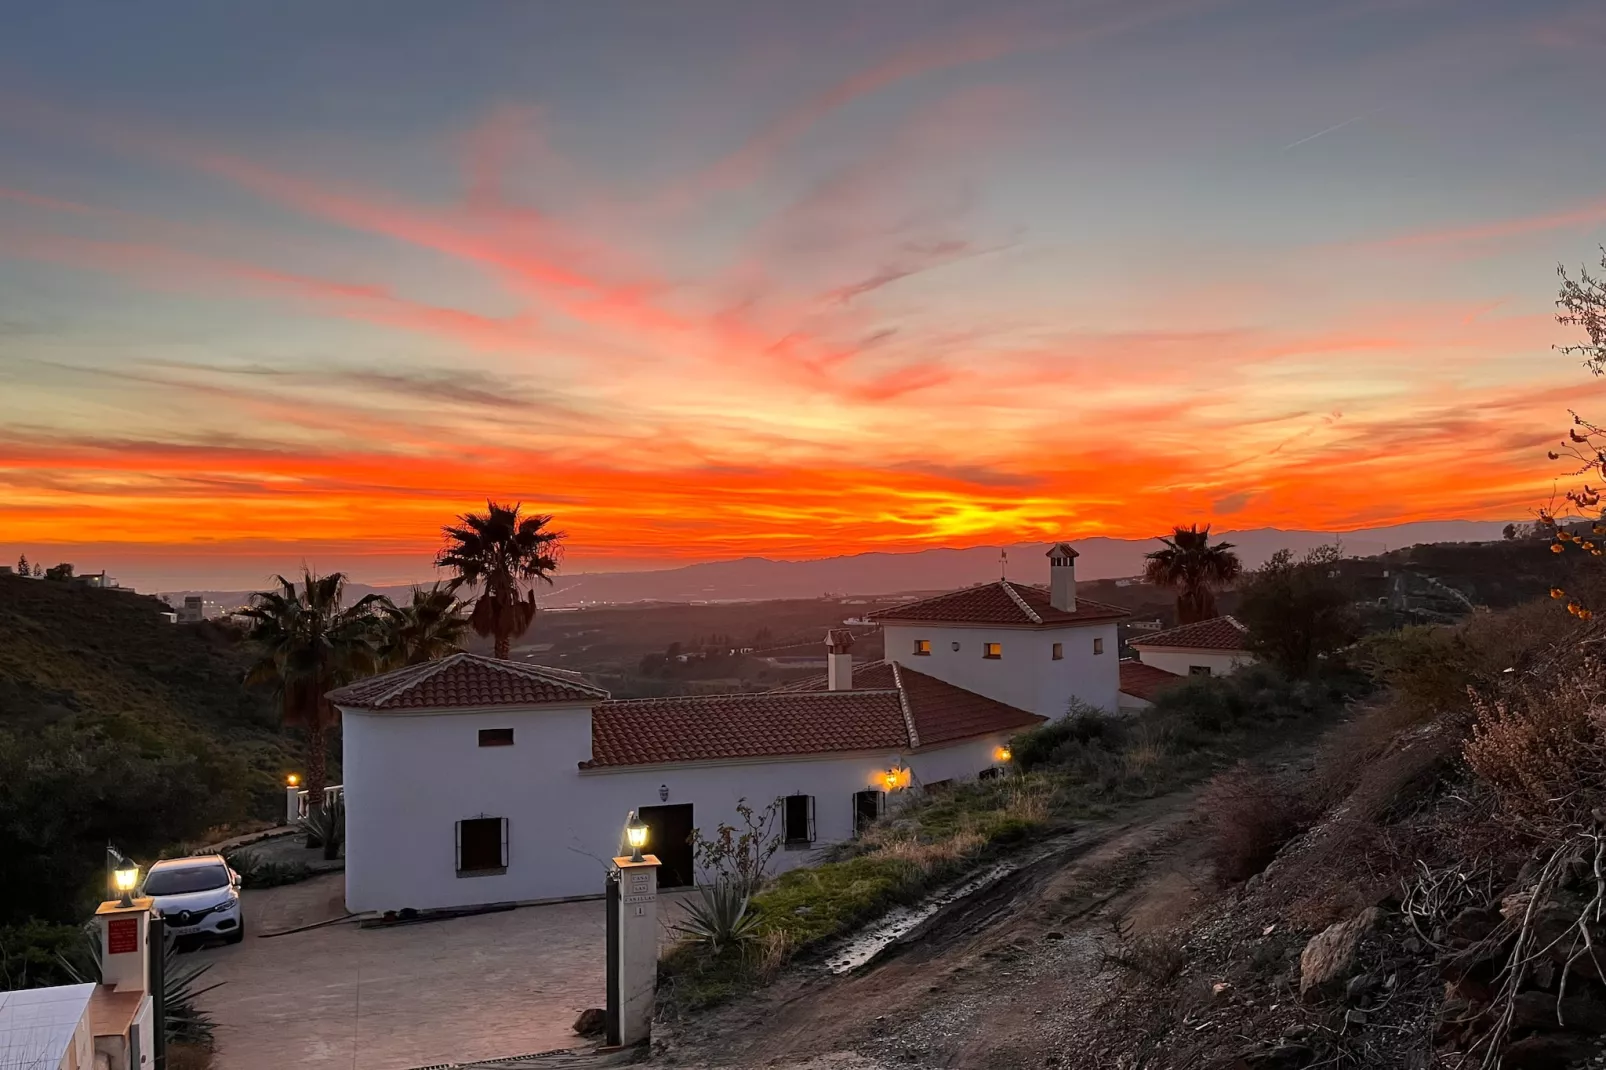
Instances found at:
x=122 y=936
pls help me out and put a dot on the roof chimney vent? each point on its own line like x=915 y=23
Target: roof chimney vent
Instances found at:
x=1062 y=577
x=839 y=659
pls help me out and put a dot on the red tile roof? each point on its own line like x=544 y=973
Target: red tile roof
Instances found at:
x=694 y=728
x=999 y=602
x=1145 y=681
x=466 y=680
x=940 y=712
x=1217 y=633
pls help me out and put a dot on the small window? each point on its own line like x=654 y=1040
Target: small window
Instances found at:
x=496 y=737
x=867 y=806
x=797 y=820
x=1098 y=644
x=1059 y=651
x=992 y=650
x=482 y=846
x=1198 y=670
x=923 y=646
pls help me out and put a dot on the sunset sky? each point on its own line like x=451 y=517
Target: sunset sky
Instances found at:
x=299 y=281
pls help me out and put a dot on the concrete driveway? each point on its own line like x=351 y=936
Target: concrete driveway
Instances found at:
x=392 y=999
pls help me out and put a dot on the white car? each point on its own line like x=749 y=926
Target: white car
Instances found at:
x=197 y=896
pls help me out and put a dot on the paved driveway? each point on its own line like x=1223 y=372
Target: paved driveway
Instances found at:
x=391 y=999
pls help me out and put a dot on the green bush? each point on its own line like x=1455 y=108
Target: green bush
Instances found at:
x=35 y=954
x=258 y=872
x=1058 y=742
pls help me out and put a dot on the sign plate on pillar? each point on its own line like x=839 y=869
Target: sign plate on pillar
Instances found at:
x=122 y=936
x=640 y=898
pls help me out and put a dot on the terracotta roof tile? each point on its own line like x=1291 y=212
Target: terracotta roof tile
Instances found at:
x=1217 y=633
x=1145 y=681
x=695 y=728
x=465 y=680
x=942 y=712
x=999 y=602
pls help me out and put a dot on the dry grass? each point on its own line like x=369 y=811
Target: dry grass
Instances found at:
x=1543 y=747
x=1155 y=957
x=182 y=1056
x=1249 y=815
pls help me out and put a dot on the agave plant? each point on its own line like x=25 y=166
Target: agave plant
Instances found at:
x=719 y=917
x=326 y=827
x=258 y=872
x=181 y=987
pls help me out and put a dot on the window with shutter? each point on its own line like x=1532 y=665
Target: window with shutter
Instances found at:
x=482 y=846
x=798 y=820
x=867 y=806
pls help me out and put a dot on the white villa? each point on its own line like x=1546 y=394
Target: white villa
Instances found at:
x=471 y=781
x=1214 y=647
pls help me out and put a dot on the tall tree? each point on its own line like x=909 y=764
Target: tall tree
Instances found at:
x=429 y=627
x=308 y=643
x=1298 y=611
x=502 y=555
x=22 y=565
x=1195 y=569
x=1583 y=304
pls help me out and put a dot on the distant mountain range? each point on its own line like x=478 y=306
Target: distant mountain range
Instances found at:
x=762 y=579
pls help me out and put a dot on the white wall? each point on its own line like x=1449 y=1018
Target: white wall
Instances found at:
x=1026 y=675
x=1219 y=662
x=410 y=777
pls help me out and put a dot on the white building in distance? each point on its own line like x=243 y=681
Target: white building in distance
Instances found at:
x=472 y=781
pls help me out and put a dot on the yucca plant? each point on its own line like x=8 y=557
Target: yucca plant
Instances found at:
x=719 y=917
x=326 y=826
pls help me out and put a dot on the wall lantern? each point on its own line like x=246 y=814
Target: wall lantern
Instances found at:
x=1002 y=754
x=126 y=876
x=895 y=778
x=663 y=792
x=293 y=780
x=636 y=833
x=956 y=646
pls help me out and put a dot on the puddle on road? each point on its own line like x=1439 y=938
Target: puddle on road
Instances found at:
x=865 y=946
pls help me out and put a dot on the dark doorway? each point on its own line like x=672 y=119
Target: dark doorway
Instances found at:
x=867 y=806
x=669 y=837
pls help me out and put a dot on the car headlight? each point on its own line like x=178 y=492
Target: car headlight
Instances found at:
x=228 y=901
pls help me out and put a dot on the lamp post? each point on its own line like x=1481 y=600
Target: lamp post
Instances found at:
x=292 y=798
x=636 y=833
x=126 y=876
x=632 y=967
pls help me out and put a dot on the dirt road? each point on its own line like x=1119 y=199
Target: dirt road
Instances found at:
x=1001 y=980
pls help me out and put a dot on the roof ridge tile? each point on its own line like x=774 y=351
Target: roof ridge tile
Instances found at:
x=903 y=704
x=1019 y=601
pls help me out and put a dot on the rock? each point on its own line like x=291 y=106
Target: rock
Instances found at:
x=593 y=1022
x=1515 y=905
x=1474 y=923
x=1329 y=958
x=1220 y=988
x=1580 y=1011
x=1355 y=1016
x=1411 y=946
x=1547 y=1051
x=1359 y=985
x=1253 y=882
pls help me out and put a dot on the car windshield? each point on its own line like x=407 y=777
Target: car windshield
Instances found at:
x=178 y=880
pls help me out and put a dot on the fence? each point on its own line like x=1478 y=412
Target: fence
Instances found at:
x=295 y=801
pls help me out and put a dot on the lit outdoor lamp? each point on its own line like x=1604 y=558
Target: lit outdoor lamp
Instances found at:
x=293 y=780
x=1003 y=754
x=126 y=876
x=636 y=833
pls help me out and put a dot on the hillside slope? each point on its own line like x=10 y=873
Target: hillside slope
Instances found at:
x=85 y=660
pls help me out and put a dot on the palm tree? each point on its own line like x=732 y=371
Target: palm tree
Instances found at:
x=1193 y=568
x=501 y=553
x=430 y=627
x=309 y=643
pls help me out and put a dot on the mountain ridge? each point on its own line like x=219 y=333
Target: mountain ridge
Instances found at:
x=882 y=572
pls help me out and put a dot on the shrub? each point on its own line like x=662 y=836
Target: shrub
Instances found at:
x=1057 y=742
x=1156 y=957
x=326 y=827
x=1249 y=816
x=258 y=872
x=1543 y=748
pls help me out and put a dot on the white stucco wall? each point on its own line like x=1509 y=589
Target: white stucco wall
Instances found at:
x=409 y=777
x=1026 y=675
x=1219 y=662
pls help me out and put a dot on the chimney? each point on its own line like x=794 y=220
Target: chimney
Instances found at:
x=839 y=659
x=1062 y=577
